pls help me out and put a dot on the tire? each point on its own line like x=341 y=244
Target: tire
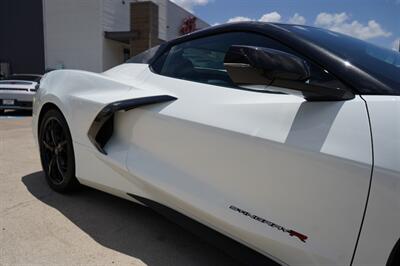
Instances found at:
x=57 y=152
x=2 y=111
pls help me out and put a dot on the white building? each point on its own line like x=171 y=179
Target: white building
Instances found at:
x=96 y=35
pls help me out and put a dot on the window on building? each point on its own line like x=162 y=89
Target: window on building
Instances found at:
x=127 y=54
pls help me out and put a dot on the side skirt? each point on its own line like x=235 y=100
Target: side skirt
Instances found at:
x=233 y=248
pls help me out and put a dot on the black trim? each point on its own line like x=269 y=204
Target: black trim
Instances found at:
x=233 y=248
x=394 y=258
x=314 y=92
x=13 y=89
x=355 y=78
x=369 y=184
x=102 y=127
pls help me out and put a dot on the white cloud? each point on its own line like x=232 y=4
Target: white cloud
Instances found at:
x=268 y=17
x=297 y=19
x=340 y=22
x=271 y=17
x=238 y=19
x=396 y=44
x=327 y=20
x=189 y=4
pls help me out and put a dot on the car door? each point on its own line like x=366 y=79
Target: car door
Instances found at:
x=286 y=177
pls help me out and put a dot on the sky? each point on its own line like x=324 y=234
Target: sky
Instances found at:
x=376 y=21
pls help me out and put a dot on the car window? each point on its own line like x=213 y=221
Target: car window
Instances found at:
x=202 y=60
x=197 y=64
x=144 y=57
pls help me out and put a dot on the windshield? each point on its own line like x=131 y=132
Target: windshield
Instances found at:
x=382 y=63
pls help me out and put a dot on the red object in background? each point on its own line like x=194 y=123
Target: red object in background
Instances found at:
x=188 y=25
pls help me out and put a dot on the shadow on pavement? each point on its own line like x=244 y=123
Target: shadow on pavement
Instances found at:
x=127 y=227
x=16 y=113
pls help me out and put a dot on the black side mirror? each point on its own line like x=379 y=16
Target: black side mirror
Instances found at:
x=250 y=66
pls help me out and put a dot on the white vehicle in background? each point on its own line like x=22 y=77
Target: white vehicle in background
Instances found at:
x=280 y=141
x=17 y=91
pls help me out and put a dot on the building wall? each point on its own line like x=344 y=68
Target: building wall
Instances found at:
x=175 y=17
x=116 y=15
x=74 y=31
x=145 y=22
x=153 y=26
x=113 y=53
x=73 y=34
x=21 y=35
x=162 y=18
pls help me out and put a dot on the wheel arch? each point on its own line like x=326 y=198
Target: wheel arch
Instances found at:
x=50 y=110
x=45 y=108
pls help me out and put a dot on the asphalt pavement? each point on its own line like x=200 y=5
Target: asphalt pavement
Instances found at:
x=41 y=227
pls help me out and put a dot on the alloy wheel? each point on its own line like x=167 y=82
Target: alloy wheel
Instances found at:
x=55 y=155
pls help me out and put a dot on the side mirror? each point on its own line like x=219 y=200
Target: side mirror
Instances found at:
x=250 y=67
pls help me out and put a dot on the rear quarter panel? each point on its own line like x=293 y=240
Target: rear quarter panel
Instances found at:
x=80 y=95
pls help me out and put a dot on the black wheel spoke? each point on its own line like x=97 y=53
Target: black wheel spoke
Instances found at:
x=59 y=167
x=50 y=167
x=52 y=134
x=61 y=145
x=54 y=148
x=48 y=146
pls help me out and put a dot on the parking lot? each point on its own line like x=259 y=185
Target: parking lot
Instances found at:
x=41 y=227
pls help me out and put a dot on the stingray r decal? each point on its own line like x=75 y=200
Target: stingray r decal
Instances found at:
x=293 y=233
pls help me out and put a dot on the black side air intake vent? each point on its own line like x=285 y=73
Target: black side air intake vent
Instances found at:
x=102 y=127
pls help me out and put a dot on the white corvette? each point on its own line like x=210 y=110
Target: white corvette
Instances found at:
x=279 y=142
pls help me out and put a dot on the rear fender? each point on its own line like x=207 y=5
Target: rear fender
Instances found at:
x=84 y=97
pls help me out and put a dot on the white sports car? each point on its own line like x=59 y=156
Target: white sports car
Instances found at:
x=17 y=91
x=279 y=142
